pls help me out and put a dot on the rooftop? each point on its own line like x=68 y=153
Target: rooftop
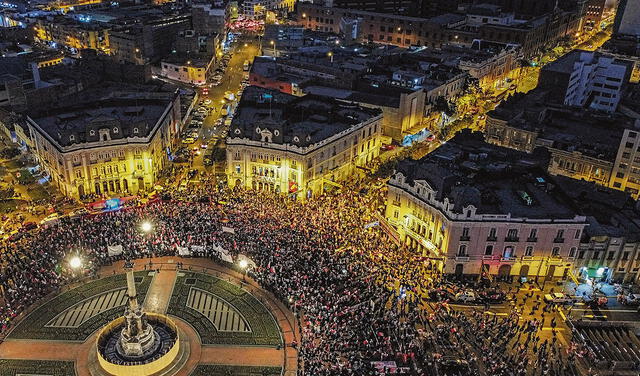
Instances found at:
x=609 y=211
x=264 y=114
x=121 y=114
x=496 y=180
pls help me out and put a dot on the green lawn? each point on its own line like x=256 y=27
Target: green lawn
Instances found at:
x=264 y=329
x=12 y=367
x=34 y=325
x=220 y=370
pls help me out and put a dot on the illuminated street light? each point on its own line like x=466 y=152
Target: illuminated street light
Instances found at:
x=244 y=264
x=75 y=262
x=146 y=226
x=330 y=54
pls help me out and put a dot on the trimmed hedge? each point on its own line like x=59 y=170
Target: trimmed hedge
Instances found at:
x=34 y=325
x=220 y=370
x=11 y=367
x=264 y=329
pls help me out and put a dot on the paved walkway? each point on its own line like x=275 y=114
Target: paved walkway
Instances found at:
x=159 y=294
x=157 y=300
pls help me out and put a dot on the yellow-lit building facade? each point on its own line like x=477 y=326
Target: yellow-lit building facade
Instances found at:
x=300 y=146
x=65 y=32
x=111 y=147
x=499 y=225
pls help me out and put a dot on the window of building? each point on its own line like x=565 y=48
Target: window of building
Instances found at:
x=577 y=235
x=581 y=254
x=533 y=234
x=572 y=252
x=492 y=233
x=462 y=251
x=555 y=251
x=625 y=256
x=488 y=251
x=508 y=252
x=465 y=233
x=528 y=251
x=611 y=255
x=512 y=233
x=596 y=255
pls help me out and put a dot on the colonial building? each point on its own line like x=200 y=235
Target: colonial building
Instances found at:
x=301 y=146
x=108 y=144
x=472 y=208
x=583 y=144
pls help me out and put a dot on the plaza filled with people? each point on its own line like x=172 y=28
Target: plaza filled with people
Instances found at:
x=361 y=299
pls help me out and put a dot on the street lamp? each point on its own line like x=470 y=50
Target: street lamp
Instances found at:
x=75 y=262
x=330 y=54
x=243 y=265
x=273 y=43
x=146 y=226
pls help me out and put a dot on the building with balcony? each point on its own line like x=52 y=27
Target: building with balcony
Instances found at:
x=583 y=144
x=472 y=208
x=107 y=143
x=301 y=146
x=610 y=246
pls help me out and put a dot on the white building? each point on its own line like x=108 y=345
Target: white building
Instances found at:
x=591 y=79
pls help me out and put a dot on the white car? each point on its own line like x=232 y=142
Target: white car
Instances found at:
x=466 y=297
x=558 y=298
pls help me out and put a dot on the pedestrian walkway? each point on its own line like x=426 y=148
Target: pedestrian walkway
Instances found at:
x=159 y=293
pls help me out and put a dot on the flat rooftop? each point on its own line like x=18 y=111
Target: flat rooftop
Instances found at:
x=300 y=121
x=496 y=180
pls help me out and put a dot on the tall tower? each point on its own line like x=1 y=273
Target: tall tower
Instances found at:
x=137 y=338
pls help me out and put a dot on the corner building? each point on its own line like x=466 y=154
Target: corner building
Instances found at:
x=110 y=144
x=300 y=146
x=472 y=208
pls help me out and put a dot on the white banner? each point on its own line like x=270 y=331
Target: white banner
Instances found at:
x=372 y=224
x=197 y=249
x=228 y=229
x=184 y=251
x=114 y=250
x=223 y=254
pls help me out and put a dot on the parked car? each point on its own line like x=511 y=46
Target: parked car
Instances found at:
x=439 y=295
x=28 y=226
x=78 y=213
x=632 y=300
x=388 y=147
x=558 y=298
x=466 y=297
x=51 y=218
x=492 y=296
x=188 y=140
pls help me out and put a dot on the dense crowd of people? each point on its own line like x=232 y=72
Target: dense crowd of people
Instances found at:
x=359 y=295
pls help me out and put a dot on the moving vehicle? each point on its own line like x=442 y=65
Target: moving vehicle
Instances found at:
x=558 y=298
x=245 y=66
x=229 y=96
x=188 y=140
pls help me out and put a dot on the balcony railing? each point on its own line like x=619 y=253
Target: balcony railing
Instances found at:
x=532 y=239
x=512 y=239
x=462 y=258
x=492 y=238
x=464 y=238
x=508 y=259
x=558 y=240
